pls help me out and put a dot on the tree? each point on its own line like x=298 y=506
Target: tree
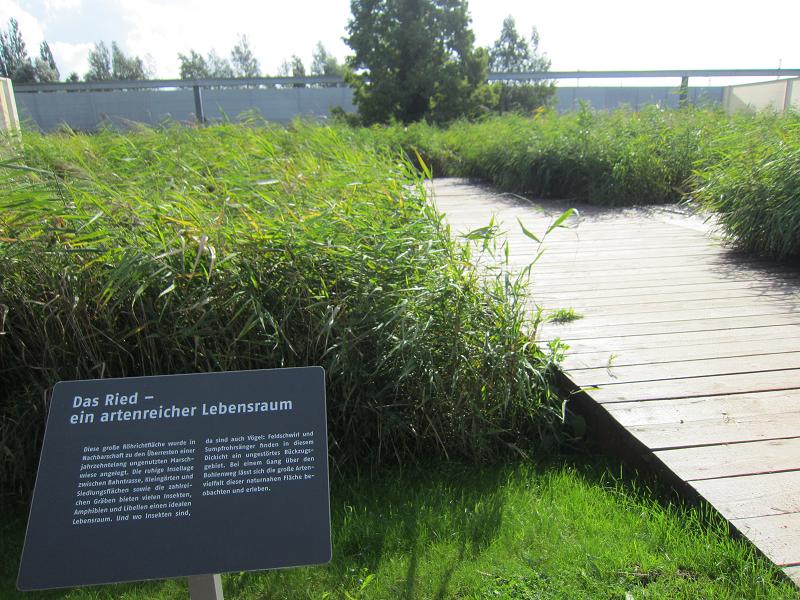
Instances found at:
x=244 y=63
x=413 y=59
x=218 y=67
x=293 y=68
x=511 y=53
x=45 y=66
x=99 y=63
x=73 y=78
x=14 y=61
x=126 y=68
x=193 y=66
x=324 y=64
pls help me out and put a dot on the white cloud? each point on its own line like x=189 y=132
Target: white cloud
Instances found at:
x=71 y=57
x=32 y=30
x=275 y=30
x=58 y=5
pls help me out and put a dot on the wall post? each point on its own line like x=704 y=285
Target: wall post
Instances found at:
x=198 y=104
x=9 y=118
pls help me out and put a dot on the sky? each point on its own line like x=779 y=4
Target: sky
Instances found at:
x=576 y=35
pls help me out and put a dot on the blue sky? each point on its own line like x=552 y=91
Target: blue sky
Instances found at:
x=587 y=35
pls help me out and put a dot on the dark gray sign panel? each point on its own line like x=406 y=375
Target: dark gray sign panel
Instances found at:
x=157 y=477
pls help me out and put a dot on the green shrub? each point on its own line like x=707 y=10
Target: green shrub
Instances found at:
x=241 y=247
x=617 y=158
x=745 y=168
x=751 y=180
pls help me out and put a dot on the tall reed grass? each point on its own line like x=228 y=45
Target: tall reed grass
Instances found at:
x=751 y=179
x=745 y=167
x=617 y=158
x=240 y=247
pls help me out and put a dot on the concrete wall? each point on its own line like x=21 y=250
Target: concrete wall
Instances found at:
x=609 y=98
x=8 y=107
x=777 y=95
x=86 y=110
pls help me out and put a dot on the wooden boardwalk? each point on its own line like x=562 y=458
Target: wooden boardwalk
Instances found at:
x=693 y=349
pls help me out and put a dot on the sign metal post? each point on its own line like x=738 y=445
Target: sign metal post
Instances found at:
x=205 y=587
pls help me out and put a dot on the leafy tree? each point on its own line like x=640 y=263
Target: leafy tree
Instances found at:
x=293 y=68
x=324 y=64
x=126 y=68
x=14 y=61
x=99 y=63
x=45 y=66
x=219 y=67
x=414 y=59
x=512 y=53
x=298 y=69
x=193 y=66
x=73 y=78
x=243 y=61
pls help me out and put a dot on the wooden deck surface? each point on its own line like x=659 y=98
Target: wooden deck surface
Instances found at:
x=693 y=348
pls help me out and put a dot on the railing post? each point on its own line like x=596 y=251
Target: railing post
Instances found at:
x=9 y=119
x=683 y=99
x=198 y=104
x=205 y=587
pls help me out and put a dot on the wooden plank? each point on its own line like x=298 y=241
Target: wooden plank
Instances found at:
x=704 y=408
x=593 y=295
x=568 y=332
x=567 y=247
x=793 y=573
x=680 y=338
x=752 y=495
x=695 y=387
x=777 y=536
x=662 y=424
x=598 y=254
x=654 y=299
x=592 y=320
x=683 y=369
x=723 y=269
x=731 y=460
x=642 y=356
x=556 y=265
x=560 y=284
x=682 y=307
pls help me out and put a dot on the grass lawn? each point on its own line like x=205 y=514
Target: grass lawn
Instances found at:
x=565 y=528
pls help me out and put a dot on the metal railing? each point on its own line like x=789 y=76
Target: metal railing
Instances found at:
x=333 y=80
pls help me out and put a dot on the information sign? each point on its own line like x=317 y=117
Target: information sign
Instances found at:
x=180 y=475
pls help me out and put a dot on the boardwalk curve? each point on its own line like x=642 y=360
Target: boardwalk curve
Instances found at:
x=690 y=348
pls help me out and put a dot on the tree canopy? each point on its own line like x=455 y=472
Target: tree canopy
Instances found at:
x=323 y=63
x=45 y=65
x=511 y=53
x=193 y=65
x=243 y=61
x=105 y=65
x=15 y=63
x=413 y=59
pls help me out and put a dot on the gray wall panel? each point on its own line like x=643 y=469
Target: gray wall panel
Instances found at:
x=85 y=110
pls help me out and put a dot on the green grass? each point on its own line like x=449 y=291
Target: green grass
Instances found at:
x=558 y=529
x=751 y=180
x=564 y=315
x=617 y=158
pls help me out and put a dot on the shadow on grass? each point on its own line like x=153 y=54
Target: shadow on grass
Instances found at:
x=429 y=530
